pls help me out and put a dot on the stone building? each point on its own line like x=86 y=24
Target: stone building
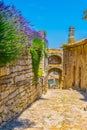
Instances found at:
x=75 y=62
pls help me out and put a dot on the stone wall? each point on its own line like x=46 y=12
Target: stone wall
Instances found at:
x=75 y=65
x=17 y=90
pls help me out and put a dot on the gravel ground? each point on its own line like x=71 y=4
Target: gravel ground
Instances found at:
x=57 y=110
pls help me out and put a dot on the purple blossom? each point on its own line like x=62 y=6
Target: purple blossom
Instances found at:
x=19 y=22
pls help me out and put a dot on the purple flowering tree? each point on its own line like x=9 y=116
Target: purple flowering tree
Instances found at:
x=13 y=37
x=16 y=34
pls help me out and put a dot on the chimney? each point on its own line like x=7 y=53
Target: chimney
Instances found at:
x=71 y=35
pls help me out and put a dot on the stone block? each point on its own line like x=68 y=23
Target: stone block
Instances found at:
x=13 y=95
x=21 y=88
x=7 y=81
x=6 y=110
x=4 y=118
x=10 y=102
x=20 y=78
x=1 y=109
x=0 y=120
x=15 y=110
x=22 y=62
x=12 y=89
x=4 y=71
x=27 y=75
x=4 y=94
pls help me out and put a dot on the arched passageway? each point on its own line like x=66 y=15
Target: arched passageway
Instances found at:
x=55 y=78
x=55 y=68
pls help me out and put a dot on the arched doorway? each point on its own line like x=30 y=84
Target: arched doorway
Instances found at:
x=54 y=78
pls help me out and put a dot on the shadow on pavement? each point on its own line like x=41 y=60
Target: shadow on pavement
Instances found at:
x=19 y=124
x=84 y=95
x=16 y=124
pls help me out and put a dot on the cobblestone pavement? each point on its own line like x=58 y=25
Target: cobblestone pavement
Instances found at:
x=57 y=110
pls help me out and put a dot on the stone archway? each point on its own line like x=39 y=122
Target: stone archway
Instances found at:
x=55 y=79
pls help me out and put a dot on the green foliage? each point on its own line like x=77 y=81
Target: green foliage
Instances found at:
x=85 y=15
x=37 y=49
x=10 y=42
x=40 y=72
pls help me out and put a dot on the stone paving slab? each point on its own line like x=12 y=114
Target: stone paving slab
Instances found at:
x=57 y=110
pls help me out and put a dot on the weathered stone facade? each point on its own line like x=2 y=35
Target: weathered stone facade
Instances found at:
x=75 y=65
x=17 y=90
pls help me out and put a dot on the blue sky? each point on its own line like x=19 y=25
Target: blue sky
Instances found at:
x=55 y=17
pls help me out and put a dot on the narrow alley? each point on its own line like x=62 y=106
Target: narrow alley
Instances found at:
x=57 y=110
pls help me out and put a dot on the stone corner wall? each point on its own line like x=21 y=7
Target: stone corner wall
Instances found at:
x=17 y=90
x=75 y=67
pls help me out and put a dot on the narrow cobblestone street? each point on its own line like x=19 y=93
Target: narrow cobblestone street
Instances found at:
x=57 y=110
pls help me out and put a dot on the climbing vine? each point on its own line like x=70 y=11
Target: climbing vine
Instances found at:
x=37 y=49
x=40 y=72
